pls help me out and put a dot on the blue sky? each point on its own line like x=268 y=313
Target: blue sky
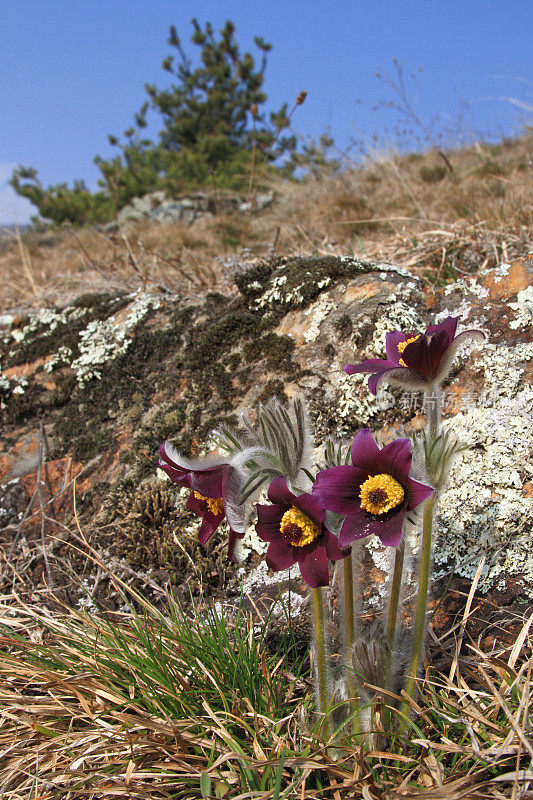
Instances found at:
x=72 y=72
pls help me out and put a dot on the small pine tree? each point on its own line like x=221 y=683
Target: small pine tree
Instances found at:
x=206 y=113
x=206 y=136
x=61 y=203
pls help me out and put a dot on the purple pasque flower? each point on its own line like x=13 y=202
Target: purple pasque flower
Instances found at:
x=417 y=360
x=375 y=494
x=294 y=528
x=215 y=484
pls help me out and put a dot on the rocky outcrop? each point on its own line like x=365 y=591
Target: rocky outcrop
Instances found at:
x=110 y=377
x=157 y=207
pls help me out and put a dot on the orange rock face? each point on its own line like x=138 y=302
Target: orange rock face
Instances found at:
x=504 y=283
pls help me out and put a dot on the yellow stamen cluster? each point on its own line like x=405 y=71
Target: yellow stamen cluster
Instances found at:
x=380 y=494
x=403 y=345
x=297 y=528
x=214 y=506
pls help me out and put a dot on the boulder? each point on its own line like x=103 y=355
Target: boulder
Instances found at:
x=112 y=377
x=157 y=207
x=258 y=203
x=140 y=207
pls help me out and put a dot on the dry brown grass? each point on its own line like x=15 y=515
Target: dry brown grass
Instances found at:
x=392 y=200
x=154 y=705
x=79 y=720
x=411 y=210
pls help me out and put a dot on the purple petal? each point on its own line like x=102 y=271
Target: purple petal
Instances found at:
x=371 y=365
x=338 y=488
x=356 y=526
x=166 y=451
x=417 y=493
x=392 y=340
x=446 y=361
x=195 y=505
x=210 y=523
x=280 y=555
x=426 y=352
x=374 y=380
x=449 y=326
x=313 y=564
x=395 y=459
x=232 y=541
x=176 y=474
x=365 y=452
x=173 y=457
x=311 y=506
x=210 y=481
x=390 y=530
x=279 y=493
x=333 y=550
x=268 y=522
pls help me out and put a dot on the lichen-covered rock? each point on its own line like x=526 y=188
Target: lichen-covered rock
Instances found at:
x=111 y=377
x=157 y=207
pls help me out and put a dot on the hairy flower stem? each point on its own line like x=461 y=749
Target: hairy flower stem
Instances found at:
x=395 y=594
x=321 y=661
x=350 y=641
x=433 y=405
x=421 y=606
x=392 y=620
x=432 y=402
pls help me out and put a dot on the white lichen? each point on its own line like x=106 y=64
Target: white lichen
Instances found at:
x=263 y=576
x=318 y=312
x=104 y=340
x=61 y=358
x=484 y=509
x=499 y=272
x=100 y=342
x=288 y=605
x=523 y=308
x=44 y=321
x=250 y=543
x=17 y=384
x=475 y=288
x=355 y=403
x=273 y=294
x=466 y=289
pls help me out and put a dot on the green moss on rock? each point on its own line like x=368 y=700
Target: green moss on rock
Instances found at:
x=274 y=349
x=283 y=283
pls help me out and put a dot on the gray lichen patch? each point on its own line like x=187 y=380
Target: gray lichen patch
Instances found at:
x=485 y=509
x=523 y=308
x=39 y=333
